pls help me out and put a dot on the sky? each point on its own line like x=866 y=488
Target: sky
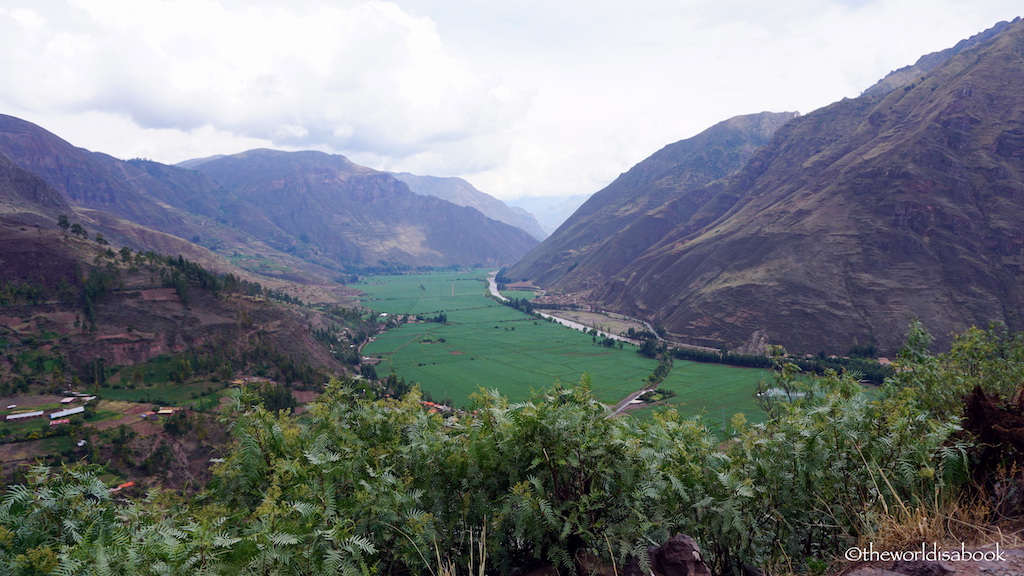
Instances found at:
x=521 y=97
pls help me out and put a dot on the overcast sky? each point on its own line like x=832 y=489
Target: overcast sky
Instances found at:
x=520 y=97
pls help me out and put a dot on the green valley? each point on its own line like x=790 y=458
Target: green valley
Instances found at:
x=483 y=344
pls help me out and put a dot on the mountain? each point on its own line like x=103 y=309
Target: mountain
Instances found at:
x=550 y=211
x=852 y=221
x=294 y=226
x=617 y=224
x=327 y=209
x=458 y=191
x=23 y=193
x=88 y=179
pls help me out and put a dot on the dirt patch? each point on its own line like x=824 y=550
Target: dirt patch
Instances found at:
x=158 y=294
x=24 y=402
x=305 y=396
x=131 y=416
x=456 y=352
x=606 y=323
x=18 y=453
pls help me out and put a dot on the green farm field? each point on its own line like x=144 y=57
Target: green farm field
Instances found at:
x=714 y=390
x=488 y=345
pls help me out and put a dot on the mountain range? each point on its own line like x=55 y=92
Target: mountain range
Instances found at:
x=311 y=212
x=844 y=225
x=817 y=232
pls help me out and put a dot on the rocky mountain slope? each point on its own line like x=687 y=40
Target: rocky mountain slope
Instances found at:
x=325 y=208
x=852 y=221
x=617 y=224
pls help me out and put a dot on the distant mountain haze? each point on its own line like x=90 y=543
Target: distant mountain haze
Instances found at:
x=905 y=203
x=550 y=211
x=461 y=192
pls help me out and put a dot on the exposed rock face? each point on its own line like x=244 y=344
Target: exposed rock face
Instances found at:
x=852 y=221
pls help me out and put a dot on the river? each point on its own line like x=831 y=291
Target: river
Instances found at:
x=492 y=285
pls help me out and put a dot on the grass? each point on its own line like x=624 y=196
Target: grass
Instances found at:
x=714 y=390
x=488 y=345
x=154 y=372
x=173 y=394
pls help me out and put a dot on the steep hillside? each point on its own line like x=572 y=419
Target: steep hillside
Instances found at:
x=24 y=194
x=326 y=205
x=623 y=220
x=89 y=179
x=854 y=220
x=458 y=191
x=69 y=302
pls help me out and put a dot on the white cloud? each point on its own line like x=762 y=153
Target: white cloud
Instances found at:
x=364 y=77
x=522 y=98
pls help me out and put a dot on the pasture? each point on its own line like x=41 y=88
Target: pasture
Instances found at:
x=488 y=345
x=714 y=390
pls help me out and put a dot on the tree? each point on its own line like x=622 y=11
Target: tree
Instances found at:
x=63 y=222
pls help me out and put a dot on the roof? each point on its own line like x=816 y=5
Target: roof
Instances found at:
x=24 y=415
x=68 y=412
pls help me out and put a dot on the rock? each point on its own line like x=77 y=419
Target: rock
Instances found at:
x=920 y=568
x=680 y=556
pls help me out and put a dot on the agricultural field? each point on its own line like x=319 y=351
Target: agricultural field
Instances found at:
x=714 y=390
x=487 y=345
x=200 y=395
